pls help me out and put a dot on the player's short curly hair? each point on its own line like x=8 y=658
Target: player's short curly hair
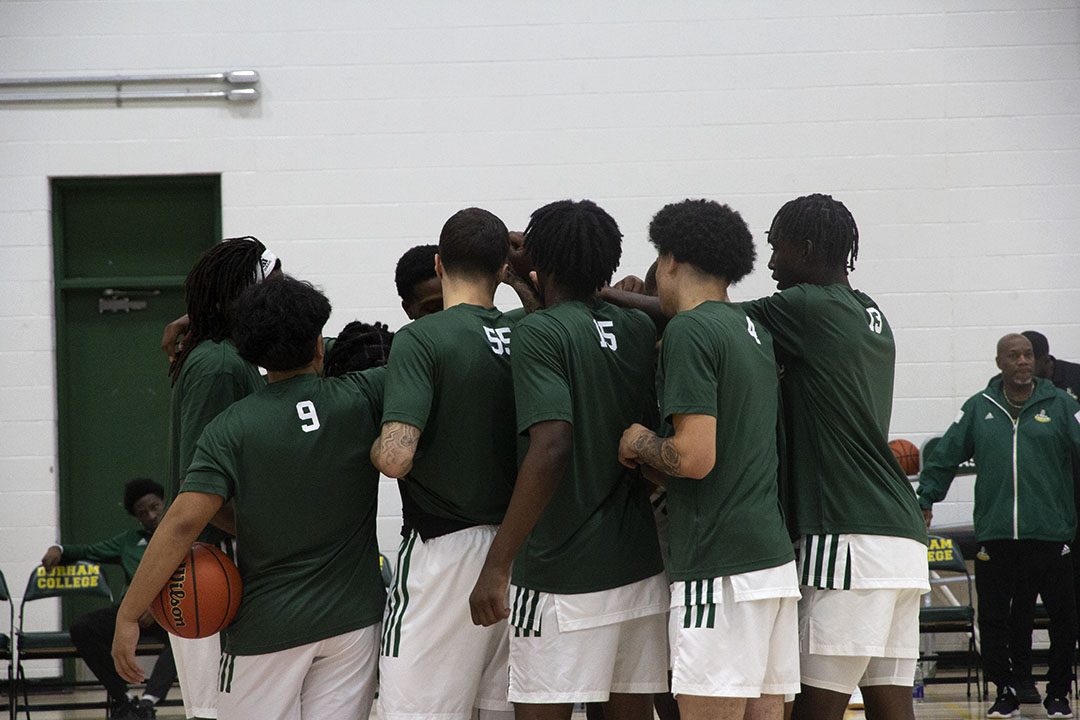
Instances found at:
x=577 y=243
x=135 y=490
x=278 y=323
x=415 y=266
x=710 y=236
x=359 y=346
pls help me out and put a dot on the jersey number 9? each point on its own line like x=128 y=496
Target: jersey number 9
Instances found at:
x=305 y=410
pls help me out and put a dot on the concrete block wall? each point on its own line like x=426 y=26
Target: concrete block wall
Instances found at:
x=951 y=128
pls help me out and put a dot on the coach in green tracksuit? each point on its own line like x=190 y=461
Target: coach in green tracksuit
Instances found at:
x=1024 y=435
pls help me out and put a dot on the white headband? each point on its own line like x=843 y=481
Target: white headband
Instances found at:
x=267 y=262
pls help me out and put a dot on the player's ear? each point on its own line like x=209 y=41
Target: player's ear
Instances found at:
x=439 y=269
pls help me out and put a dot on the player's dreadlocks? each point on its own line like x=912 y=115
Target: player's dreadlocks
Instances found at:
x=211 y=288
x=577 y=242
x=827 y=223
x=359 y=346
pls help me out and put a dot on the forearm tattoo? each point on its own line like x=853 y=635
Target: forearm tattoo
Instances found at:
x=661 y=453
x=397 y=444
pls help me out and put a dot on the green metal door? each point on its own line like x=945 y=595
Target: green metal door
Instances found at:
x=122 y=247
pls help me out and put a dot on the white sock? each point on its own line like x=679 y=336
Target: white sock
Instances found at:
x=151 y=699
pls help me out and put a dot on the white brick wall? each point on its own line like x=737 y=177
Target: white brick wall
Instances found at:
x=950 y=128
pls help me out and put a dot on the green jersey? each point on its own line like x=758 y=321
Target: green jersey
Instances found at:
x=214 y=376
x=125 y=549
x=715 y=361
x=590 y=365
x=837 y=359
x=449 y=376
x=294 y=458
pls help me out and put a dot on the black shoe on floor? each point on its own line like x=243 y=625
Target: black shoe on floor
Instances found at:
x=122 y=709
x=1057 y=707
x=1005 y=706
x=145 y=710
x=1027 y=693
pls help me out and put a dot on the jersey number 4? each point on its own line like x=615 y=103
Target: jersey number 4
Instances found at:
x=607 y=338
x=305 y=410
x=499 y=339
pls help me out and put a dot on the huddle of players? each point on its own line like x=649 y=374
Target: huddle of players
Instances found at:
x=525 y=481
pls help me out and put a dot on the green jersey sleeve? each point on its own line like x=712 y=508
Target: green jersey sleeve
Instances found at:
x=784 y=314
x=688 y=361
x=541 y=387
x=410 y=383
x=104 y=551
x=371 y=384
x=956 y=446
x=205 y=398
x=213 y=467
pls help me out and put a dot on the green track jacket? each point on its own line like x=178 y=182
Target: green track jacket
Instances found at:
x=1023 y=481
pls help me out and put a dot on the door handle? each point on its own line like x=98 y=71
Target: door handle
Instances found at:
x=115 y=301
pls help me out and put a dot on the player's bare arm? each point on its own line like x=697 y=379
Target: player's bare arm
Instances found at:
x=526 y=292
x=173 y=335
x=689 y=453
x=636 y=301
x=550 y=445
x=185 y=519
x=395 y=448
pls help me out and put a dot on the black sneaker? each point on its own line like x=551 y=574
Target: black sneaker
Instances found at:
x=1057 y=707
x=145 y=710
x=1005 y=706
x=122 y=709
x=1027 y=693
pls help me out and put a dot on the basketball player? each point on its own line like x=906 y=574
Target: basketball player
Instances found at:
x=305 y=639
x=208 y=375
x=863 y=554
x=733 y=628
x=448 y=435
x=589 y=588
x=417 y=284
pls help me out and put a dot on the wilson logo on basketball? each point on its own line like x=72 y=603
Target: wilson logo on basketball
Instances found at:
x=202 y=595
x=177 y=595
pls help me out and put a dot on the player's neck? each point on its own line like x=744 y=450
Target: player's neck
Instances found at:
x=695 y=291
x=459 y=291
x=273 y=376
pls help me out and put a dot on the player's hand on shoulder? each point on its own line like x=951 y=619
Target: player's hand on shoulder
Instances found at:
x=487 y=602
x=173 y=335
x=631 y=283
x=52 y=557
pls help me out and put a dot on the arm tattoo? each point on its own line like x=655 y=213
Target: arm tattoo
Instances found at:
x=397 y=443
x=661 y=453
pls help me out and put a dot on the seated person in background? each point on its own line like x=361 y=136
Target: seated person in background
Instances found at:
x=92 y=633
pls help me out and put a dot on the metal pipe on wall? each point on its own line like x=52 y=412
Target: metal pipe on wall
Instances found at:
x=240 y=86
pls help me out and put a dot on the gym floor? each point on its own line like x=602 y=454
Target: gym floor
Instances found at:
x=942 y=702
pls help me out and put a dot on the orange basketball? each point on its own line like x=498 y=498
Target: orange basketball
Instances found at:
x=202 y=596
x=907 y=455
